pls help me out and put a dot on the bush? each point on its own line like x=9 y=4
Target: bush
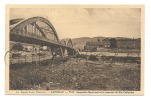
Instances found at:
x=17 y=46
x=16 y=55
x=93 y=57
x=81 y=56
x=40 y=54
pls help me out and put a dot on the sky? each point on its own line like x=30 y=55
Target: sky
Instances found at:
x=87 y=22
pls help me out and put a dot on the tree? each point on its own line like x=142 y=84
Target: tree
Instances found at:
x=17 y=46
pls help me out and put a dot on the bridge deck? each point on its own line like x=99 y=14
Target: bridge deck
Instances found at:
x=35 y=40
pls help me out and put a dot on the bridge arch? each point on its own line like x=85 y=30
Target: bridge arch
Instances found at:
x=23 y=23
x=67 y=42
x=39 y=31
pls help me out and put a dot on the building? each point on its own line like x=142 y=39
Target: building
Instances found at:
x=128 y=43
x=107 y=43
x=92 y=46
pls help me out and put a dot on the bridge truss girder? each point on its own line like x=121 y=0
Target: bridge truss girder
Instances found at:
x=20 y=33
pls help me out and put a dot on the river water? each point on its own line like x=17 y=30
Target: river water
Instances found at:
x=112 y=54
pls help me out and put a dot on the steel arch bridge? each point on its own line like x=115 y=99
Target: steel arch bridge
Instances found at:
x=40 y=31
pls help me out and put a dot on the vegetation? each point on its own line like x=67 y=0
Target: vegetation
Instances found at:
x=17 y=46
x=73 y=75
x=93 y=57
x=16 y=55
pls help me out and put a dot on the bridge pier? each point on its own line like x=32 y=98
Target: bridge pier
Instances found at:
x=70 y=52
x=57 y=51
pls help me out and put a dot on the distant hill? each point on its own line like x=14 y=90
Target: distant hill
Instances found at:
x=79 y=43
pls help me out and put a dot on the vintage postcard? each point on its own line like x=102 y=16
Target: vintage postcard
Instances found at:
x=75 y=49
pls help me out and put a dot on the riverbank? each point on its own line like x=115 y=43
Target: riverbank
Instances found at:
x=75 y=74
